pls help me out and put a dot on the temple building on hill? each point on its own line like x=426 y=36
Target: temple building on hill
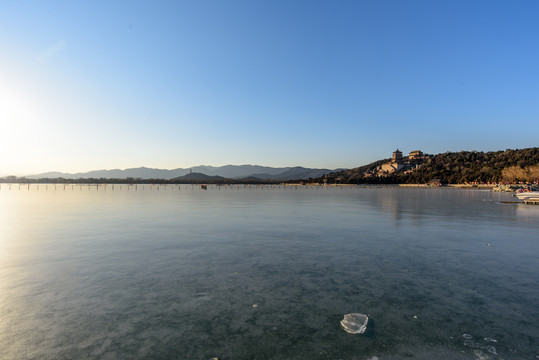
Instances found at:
x=396 y=164
x=416 y=154
x=399 y=163
x=397 y=156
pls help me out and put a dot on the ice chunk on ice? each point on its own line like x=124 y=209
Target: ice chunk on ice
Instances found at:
x=355 y=323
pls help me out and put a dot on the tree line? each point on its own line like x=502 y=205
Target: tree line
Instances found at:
x=521 y=165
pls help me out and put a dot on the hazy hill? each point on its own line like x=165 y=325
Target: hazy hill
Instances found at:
x=191 y=177
x=228 y=171
x=141 y=172
x=238 y=171
x=297 y=172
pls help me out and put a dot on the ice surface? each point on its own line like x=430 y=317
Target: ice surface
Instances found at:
x=355 y=323
x=470 y=342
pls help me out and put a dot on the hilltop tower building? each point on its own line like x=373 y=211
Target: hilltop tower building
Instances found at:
x=397 y=157
x=396 y=164
x=416 y=154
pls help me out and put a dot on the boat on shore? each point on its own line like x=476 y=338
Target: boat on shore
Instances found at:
x=528 y=195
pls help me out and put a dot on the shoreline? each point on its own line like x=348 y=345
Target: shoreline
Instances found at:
x=493 y=187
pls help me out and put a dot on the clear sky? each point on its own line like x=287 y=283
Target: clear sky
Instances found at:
x=88 y=85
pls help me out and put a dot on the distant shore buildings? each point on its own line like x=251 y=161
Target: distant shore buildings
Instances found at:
x=416 y=154
x=400 y=163
x=396 y=164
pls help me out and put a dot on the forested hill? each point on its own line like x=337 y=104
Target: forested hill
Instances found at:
x=455 y=168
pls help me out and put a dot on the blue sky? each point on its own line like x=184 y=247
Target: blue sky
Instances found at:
x=117 y=84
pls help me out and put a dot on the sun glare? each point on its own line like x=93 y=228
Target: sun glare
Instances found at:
x=20 y=129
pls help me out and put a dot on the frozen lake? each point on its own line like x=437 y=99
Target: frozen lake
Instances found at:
x=265 y=272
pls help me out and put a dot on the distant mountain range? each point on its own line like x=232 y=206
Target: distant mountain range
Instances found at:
x=228 y=171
